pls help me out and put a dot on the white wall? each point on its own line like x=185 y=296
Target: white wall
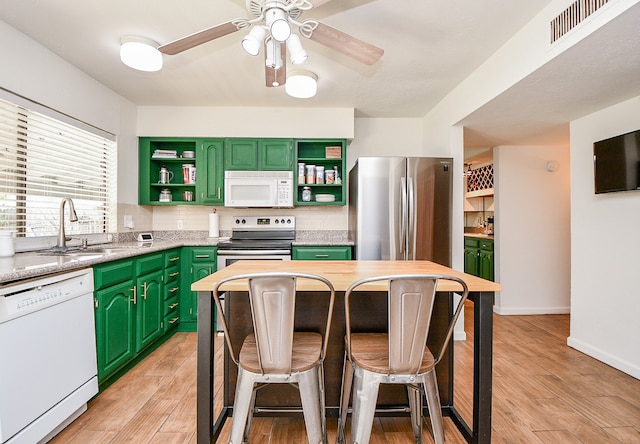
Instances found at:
x=605 y=249
x=532 y=242
x=30 y=70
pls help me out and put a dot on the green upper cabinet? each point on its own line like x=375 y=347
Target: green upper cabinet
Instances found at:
x=241 y=154
x=275 y=155
x=168 y=154
x=327 y=153
x=258 y=154
x=210 y=186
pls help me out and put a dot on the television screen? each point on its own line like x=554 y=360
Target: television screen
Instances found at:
x=616 y=163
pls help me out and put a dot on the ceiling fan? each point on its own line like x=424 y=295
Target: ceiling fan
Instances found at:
x=273 y=20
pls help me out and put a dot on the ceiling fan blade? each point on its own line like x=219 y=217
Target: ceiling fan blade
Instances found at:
x=201 y=37
x=347 y=44
x=317 y=3
x=276 y=76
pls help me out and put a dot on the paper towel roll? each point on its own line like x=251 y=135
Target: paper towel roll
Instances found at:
x=214 y=225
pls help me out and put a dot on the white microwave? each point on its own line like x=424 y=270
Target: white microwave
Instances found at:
x=258 y=189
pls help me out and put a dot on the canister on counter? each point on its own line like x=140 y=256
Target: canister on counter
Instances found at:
x=319 y=174
x=311 y=174
x=301 y=172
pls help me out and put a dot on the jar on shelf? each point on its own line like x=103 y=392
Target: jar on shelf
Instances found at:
x=165 y=195
x=306 y=194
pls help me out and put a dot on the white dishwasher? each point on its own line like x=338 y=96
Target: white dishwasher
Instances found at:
x=48 y=368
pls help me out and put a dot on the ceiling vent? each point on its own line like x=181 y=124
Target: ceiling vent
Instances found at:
x=573 y=16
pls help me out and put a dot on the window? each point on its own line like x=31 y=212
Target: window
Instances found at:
x=45 y=159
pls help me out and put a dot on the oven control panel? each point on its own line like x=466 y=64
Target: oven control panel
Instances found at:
x=264 y=222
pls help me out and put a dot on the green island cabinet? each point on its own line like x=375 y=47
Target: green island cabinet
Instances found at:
x=478 y=257
x=208 y=162
x=314 y=152
x=325 y=252
x=199 y=262
x=129 y=309
x=258 y=154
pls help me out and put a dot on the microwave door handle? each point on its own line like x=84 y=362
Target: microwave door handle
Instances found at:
x=403 y=216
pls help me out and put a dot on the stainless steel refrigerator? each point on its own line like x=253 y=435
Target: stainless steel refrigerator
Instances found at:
x=400 y=208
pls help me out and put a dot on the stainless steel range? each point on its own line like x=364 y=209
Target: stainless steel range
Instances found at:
x=258 y=238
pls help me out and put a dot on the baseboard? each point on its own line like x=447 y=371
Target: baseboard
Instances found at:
x=530 y=310
x=603 y=356
x=459 y=336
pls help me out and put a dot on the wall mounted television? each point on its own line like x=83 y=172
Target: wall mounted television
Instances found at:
x=616 y=163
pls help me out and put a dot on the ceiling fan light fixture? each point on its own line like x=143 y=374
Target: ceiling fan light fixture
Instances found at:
x=301 y=84
x=279 y=27
x=140 y=53
x=274 y=55
x=297 y=53
x=254 y=40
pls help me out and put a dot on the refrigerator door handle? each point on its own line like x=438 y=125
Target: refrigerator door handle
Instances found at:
x=411 y=215
x=403 y=225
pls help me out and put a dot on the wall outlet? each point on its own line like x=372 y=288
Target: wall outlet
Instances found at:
x=128 y=221
x=180 y=225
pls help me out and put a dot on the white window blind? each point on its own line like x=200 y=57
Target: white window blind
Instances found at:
x=42 y=161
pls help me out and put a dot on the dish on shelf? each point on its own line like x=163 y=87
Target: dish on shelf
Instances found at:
x=325 y=198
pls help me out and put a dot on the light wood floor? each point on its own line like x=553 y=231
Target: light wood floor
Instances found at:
x=544 y=392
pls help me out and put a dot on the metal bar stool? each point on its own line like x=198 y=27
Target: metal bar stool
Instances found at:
x=399 y=356
x=276 y=354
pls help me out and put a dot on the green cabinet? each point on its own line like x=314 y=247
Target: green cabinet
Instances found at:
x=329 y=153
x=210 y=186
x=115 y=321
x=478 y=257
x=171 y=283
x=198 y=263
x=334 y=253
x=158 y=153
x=129 y=308
x=258 y=154
x=486 y=266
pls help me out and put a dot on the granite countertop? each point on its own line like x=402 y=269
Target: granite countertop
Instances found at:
x=32 y=264
x=39 y=263
x=479 y=235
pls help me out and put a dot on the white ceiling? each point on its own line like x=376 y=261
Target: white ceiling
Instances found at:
x=430 y=47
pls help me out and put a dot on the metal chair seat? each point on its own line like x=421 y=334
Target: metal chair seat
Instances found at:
x=276 y=354
x=370 y=351
x=306 y=352
x=399 y=356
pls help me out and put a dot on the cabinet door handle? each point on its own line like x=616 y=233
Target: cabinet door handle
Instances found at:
x=322 y=255
x=174 y=289
x=172 y=306
x=135 y=294
x=174 y=274
x=173 y=259
x=218 y=193
x=144 y=290
x=173 y=321
x=203 y=256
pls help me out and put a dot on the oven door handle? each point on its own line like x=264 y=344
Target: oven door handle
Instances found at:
x=252 y=252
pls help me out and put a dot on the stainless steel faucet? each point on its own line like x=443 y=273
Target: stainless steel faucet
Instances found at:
x=73 y=217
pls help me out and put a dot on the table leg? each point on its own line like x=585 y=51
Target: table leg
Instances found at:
x=482 y=365
x=205 y=369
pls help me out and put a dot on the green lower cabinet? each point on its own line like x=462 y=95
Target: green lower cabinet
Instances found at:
x=478 y=257
x=329 y=253
x=198 y=263
x=115 y=332
x=129 y=310
x=471 y=255
x=486 y=265
x=149 y=310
